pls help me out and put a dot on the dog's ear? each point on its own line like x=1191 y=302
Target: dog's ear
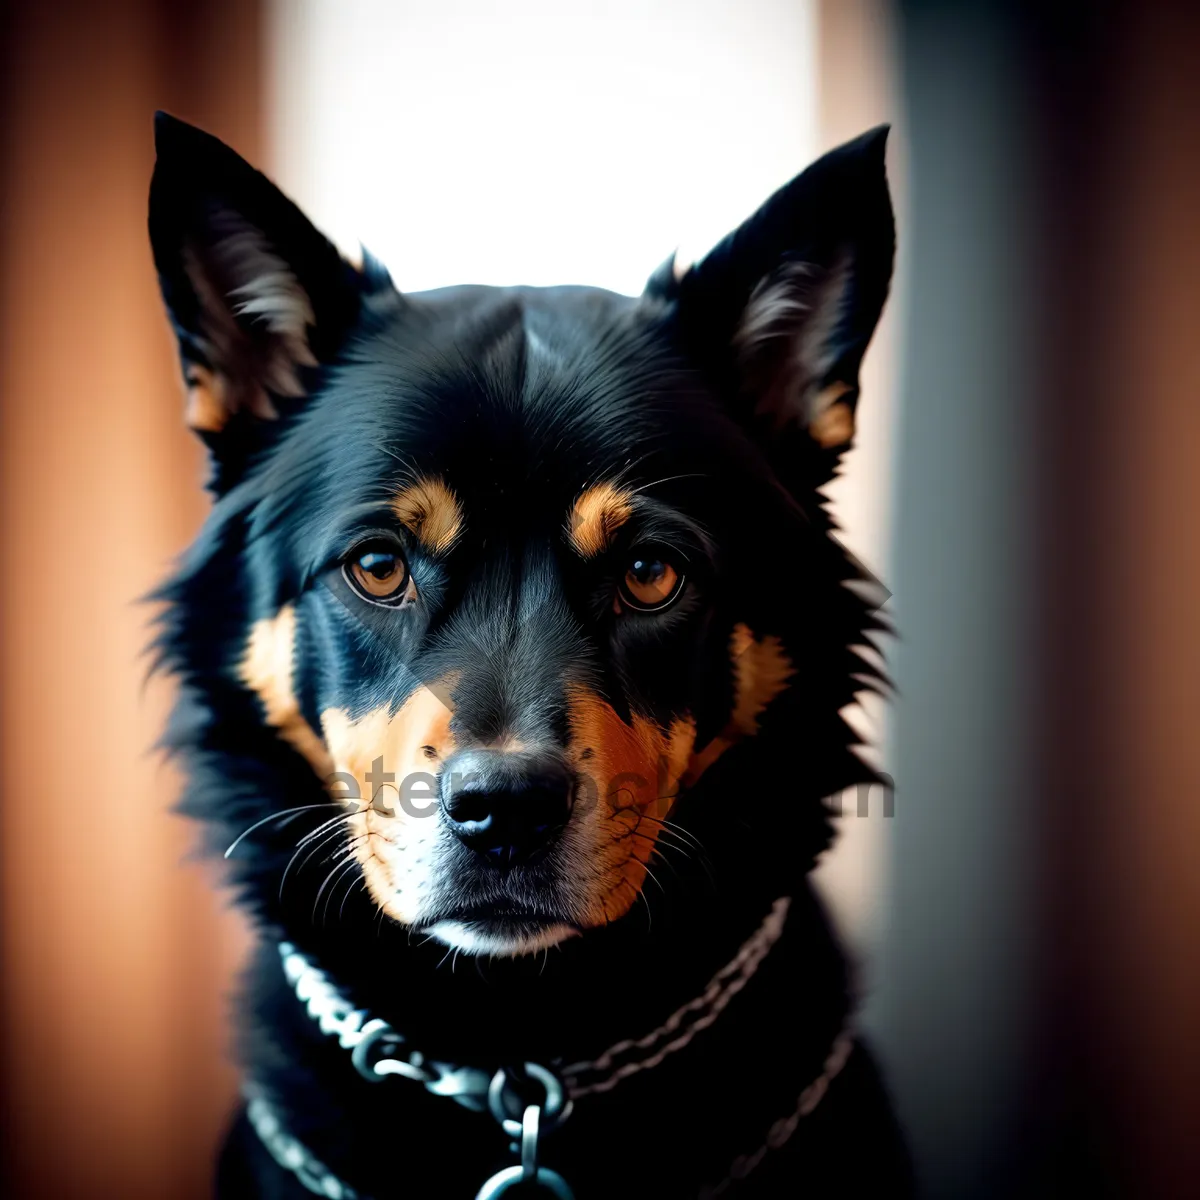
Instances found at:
x=781 y=310
x=257 y=296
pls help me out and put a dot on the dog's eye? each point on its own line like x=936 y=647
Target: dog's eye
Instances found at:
x=378 y=573
x=650 y=583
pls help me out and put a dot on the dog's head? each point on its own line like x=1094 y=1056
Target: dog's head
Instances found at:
x=495 y=576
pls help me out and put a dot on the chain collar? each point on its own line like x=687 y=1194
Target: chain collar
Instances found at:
x=290 y=1154
x=317 y=1178
x=378 y=1051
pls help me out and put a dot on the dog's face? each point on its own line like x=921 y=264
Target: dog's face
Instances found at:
x=512 y=569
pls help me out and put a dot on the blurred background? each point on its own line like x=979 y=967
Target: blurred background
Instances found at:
x=1027 y=482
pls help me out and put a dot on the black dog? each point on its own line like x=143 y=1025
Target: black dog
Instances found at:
x=511 y=660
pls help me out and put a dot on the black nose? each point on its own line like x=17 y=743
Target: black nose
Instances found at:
x=506 y=806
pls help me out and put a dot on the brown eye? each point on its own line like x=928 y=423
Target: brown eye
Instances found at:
x=650 y=583
x=378 y=574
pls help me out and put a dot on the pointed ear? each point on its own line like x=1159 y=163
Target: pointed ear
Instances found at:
x=256 y=295
x=781 y=311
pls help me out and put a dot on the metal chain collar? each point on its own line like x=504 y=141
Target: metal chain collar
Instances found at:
x=293 y=1155
x=782 y=1130
x=379 y=1051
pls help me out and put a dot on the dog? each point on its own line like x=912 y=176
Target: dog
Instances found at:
x=511 y=662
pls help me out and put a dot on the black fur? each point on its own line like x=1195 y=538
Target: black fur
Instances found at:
x=519 y=398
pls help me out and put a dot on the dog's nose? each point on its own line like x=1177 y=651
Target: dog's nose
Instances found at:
x=505 y=806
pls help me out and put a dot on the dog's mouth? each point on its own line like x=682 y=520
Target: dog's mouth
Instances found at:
x=505 y=928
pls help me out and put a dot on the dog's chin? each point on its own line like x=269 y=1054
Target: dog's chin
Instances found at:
x=500 y=937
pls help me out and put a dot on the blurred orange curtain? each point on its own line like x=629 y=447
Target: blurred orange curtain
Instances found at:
x=115 y=1074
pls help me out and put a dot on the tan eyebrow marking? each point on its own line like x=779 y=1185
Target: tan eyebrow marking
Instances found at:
x=596 y=516
x=430 y=510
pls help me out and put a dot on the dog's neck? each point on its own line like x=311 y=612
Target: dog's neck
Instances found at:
x=790 y=1012
x=574 y=999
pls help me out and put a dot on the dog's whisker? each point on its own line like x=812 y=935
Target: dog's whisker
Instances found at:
x=638 y=894
x=629 y=467
x=655 y=878
x=679 y=831
x=682 y=842
x=361 y=885
x=312 y=833
x=284 y=816
x=658 y=852
x=339 y=871
x=686 y=852
x=670 y=479
x=341 y=858
x=678 y=549
x=308 y=852
x=660 y=839
x=312 y=847
x=675 y=836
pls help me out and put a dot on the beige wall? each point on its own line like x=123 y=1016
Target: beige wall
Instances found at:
x=1122 y=644
x=858 y=89
x=114 y=953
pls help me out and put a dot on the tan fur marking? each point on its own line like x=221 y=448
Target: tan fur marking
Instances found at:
x=431 y=511
x=832 y=423
x=207 y=410
x=596 y=516
x=761 y=672
x=266 y=669
x=384 y=835
x=634 y=773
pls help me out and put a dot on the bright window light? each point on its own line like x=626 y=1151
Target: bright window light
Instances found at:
x=542 y=142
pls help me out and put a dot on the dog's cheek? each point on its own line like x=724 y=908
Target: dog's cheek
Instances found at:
x=629 y=775
x=762 y=671
x=389 y=762
x=268 y=669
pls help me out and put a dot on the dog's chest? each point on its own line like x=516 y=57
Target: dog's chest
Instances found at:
x=746 y=1089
